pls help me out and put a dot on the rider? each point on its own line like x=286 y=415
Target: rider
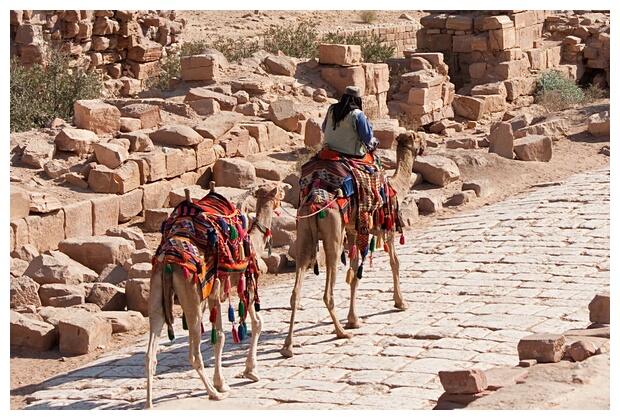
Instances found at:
x=346 y=128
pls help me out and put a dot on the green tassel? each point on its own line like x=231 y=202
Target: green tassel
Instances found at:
x=360 y=270
x=322 y=214
x=213 y=336
x=241 y=309
x=168 y=269
x=316 y=268
x=372 y=244
x=270 y=244
x=184 y=322
x=233 y=231
x=170 y=334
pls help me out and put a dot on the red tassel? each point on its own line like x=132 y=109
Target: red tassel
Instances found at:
x=381 y=216
x=227 y=285
x=386 y=248
x=268 y=233
x=202 y=328
x=241 y=285
x=213 y=315
x=235 y=335
x=186 y=272
x=353 y=251
x=402 y=239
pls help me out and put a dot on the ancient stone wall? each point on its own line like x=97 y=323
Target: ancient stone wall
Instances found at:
x=489 y=46
x=117 y=42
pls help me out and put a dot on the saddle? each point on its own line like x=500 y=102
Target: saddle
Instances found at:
x=330 y=178
x=208 y=238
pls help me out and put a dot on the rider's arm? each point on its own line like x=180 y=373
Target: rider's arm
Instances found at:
x=364 y=129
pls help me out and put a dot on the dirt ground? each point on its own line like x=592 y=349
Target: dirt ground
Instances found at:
x=577 y=153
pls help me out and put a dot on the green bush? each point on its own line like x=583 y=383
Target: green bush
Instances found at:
x=41 y=93
x=556 y=92
x=368 y=16
x=300 y=42
x=373 y=49
x=234 y=49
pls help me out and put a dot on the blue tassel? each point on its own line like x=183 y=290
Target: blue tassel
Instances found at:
x=316 y=268
x=184 y=322
x=212 y=238
x=257 y=306
x=343 y=258
x=241 y=332
x=244 y=222
x=231 y=313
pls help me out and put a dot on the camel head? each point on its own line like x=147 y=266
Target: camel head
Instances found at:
x=413 y=141
x=270 y=192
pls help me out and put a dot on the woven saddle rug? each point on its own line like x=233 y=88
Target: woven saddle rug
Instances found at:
x=329 y=177
x=208 y=238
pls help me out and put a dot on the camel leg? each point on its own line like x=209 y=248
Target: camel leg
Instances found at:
x=287 y=349
x=399 y=301
x=214 y=301
x=352 y=319
x=189 y=299
x=332 y=246
x=156 y=321
x=257 y=326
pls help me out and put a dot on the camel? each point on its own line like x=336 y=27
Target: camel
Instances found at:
x=166 y=282
x=330 y=228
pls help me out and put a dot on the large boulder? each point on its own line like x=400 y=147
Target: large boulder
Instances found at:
x=82 y=332
x=61 y=295
x=31 y=333
x=123 y=321
x=437 y=170
x=96 y=252
x=599 y=125
x=533 y=148
x=96 y=116
x=76 y=140
x=137 y=292
x=107 y=296
x=501 y=140
x=57 y=267
x=233 y=172
x=24 y=292
x=176 y=135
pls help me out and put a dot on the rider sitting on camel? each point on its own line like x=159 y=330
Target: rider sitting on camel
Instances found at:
x=346 y=128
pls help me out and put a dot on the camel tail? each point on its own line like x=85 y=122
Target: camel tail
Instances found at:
x=168 y=298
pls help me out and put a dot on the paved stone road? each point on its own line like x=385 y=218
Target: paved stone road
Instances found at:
x=476 y=282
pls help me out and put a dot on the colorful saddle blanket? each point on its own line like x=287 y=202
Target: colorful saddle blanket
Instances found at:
x=329 y=177
x=207 y=238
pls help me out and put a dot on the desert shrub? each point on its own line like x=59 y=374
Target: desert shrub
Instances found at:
x=39 y=93
x=368 y=16
x=300 y=42
x=594 y=93
x=556 y=92
x=373 y=49
x=234 y=49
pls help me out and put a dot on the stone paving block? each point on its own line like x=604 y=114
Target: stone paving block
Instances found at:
x=545 y=348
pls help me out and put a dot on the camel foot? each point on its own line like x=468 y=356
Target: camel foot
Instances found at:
x=222 y=387
x=218 y=396
x=344 y=335
x=403 y=306
x=252 y=376
x=353 y=325
x=286 y=351
x=148 y=405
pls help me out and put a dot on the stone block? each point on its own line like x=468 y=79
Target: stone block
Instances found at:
x=20 y=203
x=463 y=43
x=107 y=297
x=201 y=67
x=76 y=140
x=155 y=195
x=437 y=170
x=469 y=381
x=153 y=166
x=554 y=56
x=78 y=219
x=238 y=143
x=175 y=164
x=313 y=134
x=481 y=187
x=96 y=116
x=545 y=348
x=502 y=39
x=82 y=333
x=341 y=77
x=61 y=295
x=460 y=23
x=30 y=333
x=428 y=204
x=153 y=218
x=538 y=58
x=533 y=148
x=96 y=252
x=493 y=103
x=38 y=152
x=149 y=115
x=377 y=78
x=205 y=154
x=137 y=295
x=110 y=154
x=129 y=125
x=525 y=37
x=47 y=230
x=496 y=22
x=24 y=291
x=225 y=102
x=599 y=308
x=145 y=52
x=282 y=65
x=580 y=350
x=57 y=267
x=176 y=135
x=599 y=125
x=216 y=125
x=511 y=69
x=105 y=213
x=138 y=141
x=233 y=172
x=206 y=107
x=340 y=55
x=123 y=321
x=129 y=205
x=283 y=113
x=468 y=107
x=501 y=140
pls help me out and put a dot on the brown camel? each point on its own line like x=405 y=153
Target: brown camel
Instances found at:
x=331 y=230
x=164 y=285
